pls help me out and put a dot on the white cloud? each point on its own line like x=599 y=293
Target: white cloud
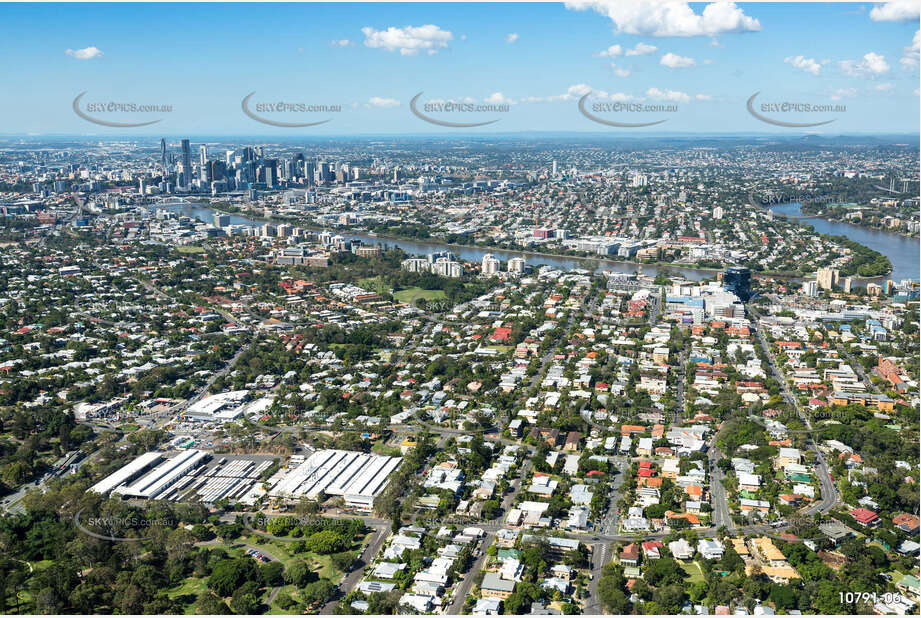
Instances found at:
x=715 y=43
x=340 y=43
x=844 y=93
x=872 y=65
x=382 y=102
x=884 y=87
x=654 y=18
x=912 y=53
x=87 y=53
x=577 y=91
x=667 y=95
x=897 y=10
x=674 y=61
x=619 y=71
x=497 y=98
x=409 y=40
x=703 y=97
x=806 y=64
x=641 y=49
x=611 y=52
x=511 y=37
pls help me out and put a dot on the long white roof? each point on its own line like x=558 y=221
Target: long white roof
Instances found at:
x=126 y=473
x=337 y=473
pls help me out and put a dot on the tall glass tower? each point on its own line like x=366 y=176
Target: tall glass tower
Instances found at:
x=738 y=280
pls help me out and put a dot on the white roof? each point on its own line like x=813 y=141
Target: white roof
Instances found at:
x=126 y=473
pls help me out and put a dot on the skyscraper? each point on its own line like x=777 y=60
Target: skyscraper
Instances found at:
x=848 y=284
x=738 y=280
x=827 y=278
x=271 y=173
x=489 y=265
x=217 y=170
x=203 y=155
x=163 y=153
x=186 y=162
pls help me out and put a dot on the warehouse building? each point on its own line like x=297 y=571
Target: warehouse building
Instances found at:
x=357 y=477
x=127 y=473
x=164 y=476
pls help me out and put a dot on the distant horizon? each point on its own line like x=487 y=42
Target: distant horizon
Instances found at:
x=469 y=136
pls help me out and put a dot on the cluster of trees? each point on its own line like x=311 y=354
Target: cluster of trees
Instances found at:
x=865 y=262
x=89 y=575
x=319 y=535
x=39 y=437
x=388 y=502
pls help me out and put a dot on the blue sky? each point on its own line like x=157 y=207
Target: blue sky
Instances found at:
x=373 y=58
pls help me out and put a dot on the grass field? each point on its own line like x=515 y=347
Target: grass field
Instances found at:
x=188 y=591
x=374 y=284
x=381 y=448
x=190 y=249
x=411 y=295
x=322 y=565
x=693 y=571
x=128 y=427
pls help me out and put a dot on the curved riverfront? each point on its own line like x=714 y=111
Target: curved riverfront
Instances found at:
x=902 y=251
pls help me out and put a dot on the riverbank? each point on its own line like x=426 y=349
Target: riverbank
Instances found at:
x=808 y=212
x=500 y=252
x=901 y=251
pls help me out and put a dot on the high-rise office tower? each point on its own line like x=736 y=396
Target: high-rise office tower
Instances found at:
x=163 y=153
x=186 y=164
x=202 y=155
x=271 y=173
x=738 y=280
x=218 y=169
x=183 y=179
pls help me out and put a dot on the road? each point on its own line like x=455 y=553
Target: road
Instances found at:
x=858 y=368
x=463 y=588
x=357 y=570
x=611 y=520
x=599 y=559
x=680 y=379
x=829 y=491
x=719 y=497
